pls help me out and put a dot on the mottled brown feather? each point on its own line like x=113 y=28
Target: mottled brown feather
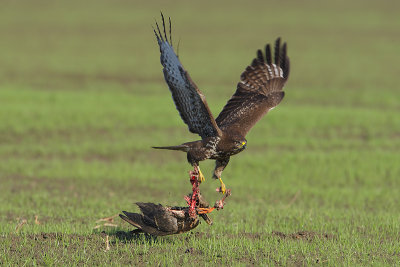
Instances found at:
x=259 y=90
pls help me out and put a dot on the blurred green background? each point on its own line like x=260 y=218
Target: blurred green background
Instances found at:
x=82 y=100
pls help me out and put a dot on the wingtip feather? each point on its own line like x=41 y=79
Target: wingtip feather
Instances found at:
x=260 y=56
x=170 y=30
x=165 y=32
x=159 y=32
x=268 y=54
x=277 y=51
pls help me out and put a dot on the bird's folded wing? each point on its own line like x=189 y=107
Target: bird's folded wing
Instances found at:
x=259 y=90
x=189 y=101
x=158 y=217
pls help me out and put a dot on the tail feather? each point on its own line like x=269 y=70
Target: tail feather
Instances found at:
x=133 y=218
x=183 y=148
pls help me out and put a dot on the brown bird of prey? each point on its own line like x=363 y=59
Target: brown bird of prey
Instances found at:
x=160 y=220
x=258 y=91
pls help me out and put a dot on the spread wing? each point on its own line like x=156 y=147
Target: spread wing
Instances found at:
x=259 y=90
x=189 y=101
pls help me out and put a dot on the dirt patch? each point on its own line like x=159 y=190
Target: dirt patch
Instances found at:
x=302 y=235
x=133 y=236
x=194 y=251
x=60 y=237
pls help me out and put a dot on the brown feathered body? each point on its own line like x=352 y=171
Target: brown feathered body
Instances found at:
x=259 y=90
x=160 y=220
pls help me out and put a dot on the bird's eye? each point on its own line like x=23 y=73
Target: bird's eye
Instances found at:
x=240 y=144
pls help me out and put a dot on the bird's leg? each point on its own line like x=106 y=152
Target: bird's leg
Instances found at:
x=220 y=165
x=222 y=189
x=217 y=206
x=201 y=176
x=220 y=204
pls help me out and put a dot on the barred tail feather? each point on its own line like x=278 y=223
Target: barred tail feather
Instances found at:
x=183 y=148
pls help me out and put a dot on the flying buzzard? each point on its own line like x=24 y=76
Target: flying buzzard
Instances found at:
x=258 y=91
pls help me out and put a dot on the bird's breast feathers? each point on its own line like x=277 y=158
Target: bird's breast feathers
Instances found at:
x=216 y=148
x=211 y=146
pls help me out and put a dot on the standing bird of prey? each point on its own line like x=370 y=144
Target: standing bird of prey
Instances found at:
x=258 y=91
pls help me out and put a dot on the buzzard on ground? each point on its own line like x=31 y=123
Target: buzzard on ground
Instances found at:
x=160 y=220
x=258 y=91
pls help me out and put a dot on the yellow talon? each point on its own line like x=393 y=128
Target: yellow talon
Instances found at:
x=201 y=176
x=223 y=188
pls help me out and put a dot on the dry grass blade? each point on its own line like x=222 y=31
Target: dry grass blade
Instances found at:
x=19 y=226
x=107 y=244
x=37 y=222
x=110 y=225
x=293 y=199
x=107 y=219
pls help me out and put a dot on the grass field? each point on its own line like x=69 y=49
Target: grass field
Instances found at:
x=82 y=100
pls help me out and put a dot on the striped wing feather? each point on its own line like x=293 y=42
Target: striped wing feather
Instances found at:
x=189 y=100
x=259 y=90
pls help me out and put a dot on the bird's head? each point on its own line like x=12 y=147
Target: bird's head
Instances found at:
x=240 y=144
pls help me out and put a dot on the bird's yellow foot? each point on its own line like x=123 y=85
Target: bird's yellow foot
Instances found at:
x=201 y=176
x=204 y=210
x=222 y=189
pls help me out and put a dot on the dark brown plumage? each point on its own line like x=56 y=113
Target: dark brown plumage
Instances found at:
x=258 y=91
x=160 y=221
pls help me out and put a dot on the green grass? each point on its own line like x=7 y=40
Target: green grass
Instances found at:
x=82 y=100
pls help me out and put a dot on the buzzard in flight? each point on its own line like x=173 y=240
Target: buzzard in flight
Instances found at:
x=258 y=91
